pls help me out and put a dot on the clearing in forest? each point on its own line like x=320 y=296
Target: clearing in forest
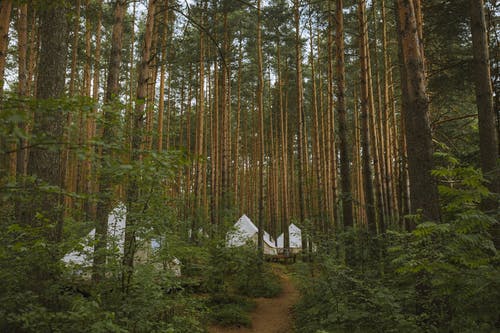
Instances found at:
x=272 y=315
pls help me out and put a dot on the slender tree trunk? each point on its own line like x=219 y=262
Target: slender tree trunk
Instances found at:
x=22 y=87
x=386 y=119
x=342 y=119
x=237 y=142
x=260 y=110
x=301 y=122
x=105 y=186
x=92 y=183
x=5 y=10
x=284 y=155
x=200 y=135
x=133 y=191
x=488 y=135
x=161 y=102
x=70 y=159
x=365 y=107
x=74 y=49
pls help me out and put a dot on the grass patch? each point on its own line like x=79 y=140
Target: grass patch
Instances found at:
x=264 y=283
x=230 y=310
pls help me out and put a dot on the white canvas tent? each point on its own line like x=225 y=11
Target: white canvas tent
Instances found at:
x=295 y=239
x=116 y=239
x=245 y=231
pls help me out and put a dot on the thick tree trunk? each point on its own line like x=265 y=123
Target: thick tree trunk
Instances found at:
x=45 y=162
x=423 y=188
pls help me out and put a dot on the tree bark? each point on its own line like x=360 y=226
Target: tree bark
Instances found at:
x=488 y=138
x=133 y=191
x=260 y=110
x=5 y=10
x=342 y=118
x=105 y=186
x=365 y=108
x=423 y=188
x=46 y=164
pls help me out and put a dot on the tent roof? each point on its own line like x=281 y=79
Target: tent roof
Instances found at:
x=244 y=230
x=295 y=237
x=245 y=224
x=116 y=233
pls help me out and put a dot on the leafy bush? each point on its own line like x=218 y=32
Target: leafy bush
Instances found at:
x=241 y=271
x=441 y=277
x=337 y=299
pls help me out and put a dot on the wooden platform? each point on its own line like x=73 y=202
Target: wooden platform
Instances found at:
x=283 y=258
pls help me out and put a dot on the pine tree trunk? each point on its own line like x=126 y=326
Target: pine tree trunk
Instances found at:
x=104 y=184
x=22 y=88
x=46 y=164
x=488 y=135
x=200 y=135
x=5 y=10
x=161 y=102
x=260 y=110
x=134 y=207
x=301 y=122
x=365 y=107
x=342 y=119
x=423 y=187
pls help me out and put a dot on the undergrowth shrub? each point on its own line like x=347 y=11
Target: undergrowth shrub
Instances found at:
x=441 y=277
x=240 y=270
x=230 y=310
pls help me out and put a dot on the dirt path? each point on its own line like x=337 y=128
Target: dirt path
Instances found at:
x=272 y=315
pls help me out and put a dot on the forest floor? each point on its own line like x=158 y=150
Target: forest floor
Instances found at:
x=272 y=315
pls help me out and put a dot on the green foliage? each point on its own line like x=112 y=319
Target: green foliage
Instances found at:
x=233 y=275
x=39 y=293
x=230 y=310
x=441 y=277
x=338 y=299
x=241 y=270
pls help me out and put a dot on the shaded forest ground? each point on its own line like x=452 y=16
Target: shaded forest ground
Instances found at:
x=272 y=315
